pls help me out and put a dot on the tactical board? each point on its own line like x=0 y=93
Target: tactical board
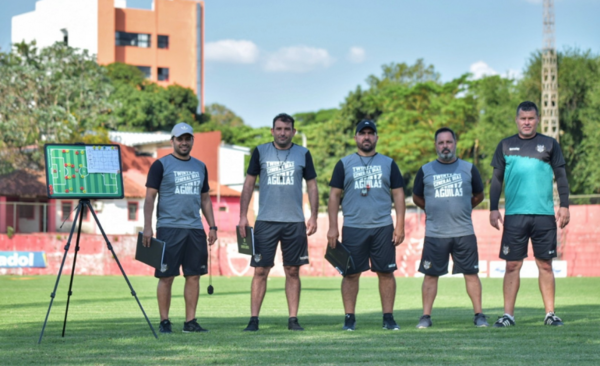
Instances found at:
x=83 y=171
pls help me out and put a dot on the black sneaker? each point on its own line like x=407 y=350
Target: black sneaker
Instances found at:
x=480 y=320
x=389 y=323
x=293 y=324
x=165 y=326
x=193 y=327
x=349 y=322
x=252 y=325
x=503 y=322
x=552 y=319
x=424 y=322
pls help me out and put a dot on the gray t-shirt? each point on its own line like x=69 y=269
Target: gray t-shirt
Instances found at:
x=179 y=184
x=281 y=173
x=447 y=189
x=367 y=181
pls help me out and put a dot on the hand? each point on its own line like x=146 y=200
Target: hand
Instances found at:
x=495 y=216
x=332 y=236
x=562 y=217
x=398 y=237
x=242 y=226
x=311 y=226
x=147 y=238
x=212 y=237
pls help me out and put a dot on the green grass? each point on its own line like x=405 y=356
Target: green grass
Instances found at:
x=106 y=327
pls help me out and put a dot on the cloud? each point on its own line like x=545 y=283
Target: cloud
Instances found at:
x=298 y=59
x=480 y=69
x=357 y=55
x=232 y=51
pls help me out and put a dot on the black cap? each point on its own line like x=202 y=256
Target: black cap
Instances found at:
x=364 y=124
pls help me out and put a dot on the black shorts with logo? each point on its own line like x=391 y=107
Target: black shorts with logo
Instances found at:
x=437 y=251
x=294 y=243
x=518 y=229
x=374 y=244
x=186 y=248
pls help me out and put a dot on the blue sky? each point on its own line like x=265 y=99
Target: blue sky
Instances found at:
x=269 y=56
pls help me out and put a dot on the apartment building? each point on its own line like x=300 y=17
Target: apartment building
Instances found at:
x=166 y=42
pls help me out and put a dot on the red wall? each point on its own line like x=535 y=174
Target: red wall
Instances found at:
x=579 y=242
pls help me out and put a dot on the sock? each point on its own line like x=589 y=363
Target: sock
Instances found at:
x=253 y=318
x=510 y=317
x=477 y=314
x=350 y=315
x=388 y=315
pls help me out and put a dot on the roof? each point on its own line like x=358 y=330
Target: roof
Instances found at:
x=24 y=183
x=138 y=138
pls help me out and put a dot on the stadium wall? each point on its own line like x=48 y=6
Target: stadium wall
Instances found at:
x=578 y=249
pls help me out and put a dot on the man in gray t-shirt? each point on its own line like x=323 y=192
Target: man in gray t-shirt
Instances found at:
x=181 y=183
x=281 y=166
x=447 y=189
x=368 y=182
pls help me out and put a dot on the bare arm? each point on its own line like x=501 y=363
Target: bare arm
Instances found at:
x=151 y=194
x=476 y=199
x=400 y=206
x=333 y=207
x=207 y=211
x=313 y=198
x=245 y=202
x=419 y=201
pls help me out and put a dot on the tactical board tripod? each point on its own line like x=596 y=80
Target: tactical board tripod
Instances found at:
x=81 y=206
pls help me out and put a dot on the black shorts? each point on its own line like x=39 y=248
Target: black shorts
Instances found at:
x=437 y=251
x=186 y=248
x=374 y=244
x=518 y=229
x=294 y=244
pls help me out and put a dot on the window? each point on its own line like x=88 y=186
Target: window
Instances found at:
x=146 y=70
x=133 y=39
x=26 y=212
x=163 y=74
x=66 y=208
x=163 y=41
x=65 y=36
x=132 y=210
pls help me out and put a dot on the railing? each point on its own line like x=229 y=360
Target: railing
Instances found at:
x=16 y=214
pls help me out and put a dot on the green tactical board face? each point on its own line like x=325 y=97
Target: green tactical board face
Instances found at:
x=68 y=172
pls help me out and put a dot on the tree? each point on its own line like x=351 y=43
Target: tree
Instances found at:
x=58 y=94
x=221 y=115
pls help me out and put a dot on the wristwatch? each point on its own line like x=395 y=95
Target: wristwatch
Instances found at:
x=213 y=228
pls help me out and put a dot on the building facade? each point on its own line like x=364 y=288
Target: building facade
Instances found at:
x=166 y=43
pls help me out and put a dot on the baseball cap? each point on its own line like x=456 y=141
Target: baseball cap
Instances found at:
x=181 y=129
x=364 y=124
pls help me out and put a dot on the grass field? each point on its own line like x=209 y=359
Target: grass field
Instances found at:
x=106 y=327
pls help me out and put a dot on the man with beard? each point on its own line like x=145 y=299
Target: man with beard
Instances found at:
x=181 y=183
x=369 y=181
x=281 y=165
x=448 y=189
x=525 y=163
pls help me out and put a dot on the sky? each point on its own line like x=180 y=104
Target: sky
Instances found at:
x=265 y=57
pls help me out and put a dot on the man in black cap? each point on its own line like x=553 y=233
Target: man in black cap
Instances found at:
x=369 y=182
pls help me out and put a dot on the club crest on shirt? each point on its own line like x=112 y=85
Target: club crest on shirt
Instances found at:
x=541 y=148
x=505 y=250
x=257 y=257
x=426 y=264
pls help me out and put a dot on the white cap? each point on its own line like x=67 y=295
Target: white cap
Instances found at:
x=181 y=129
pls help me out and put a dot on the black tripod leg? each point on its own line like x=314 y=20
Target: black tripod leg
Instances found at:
x=67 y=246
x=81 y=211
x=120 y=267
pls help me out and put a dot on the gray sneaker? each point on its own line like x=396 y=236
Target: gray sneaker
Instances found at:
x=552 y=319
x=503 y=322
x=424 y=322
x=349 y=322
x=480 y=320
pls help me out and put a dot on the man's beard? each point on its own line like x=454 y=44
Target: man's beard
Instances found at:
x=367 y=149
x=446 y=156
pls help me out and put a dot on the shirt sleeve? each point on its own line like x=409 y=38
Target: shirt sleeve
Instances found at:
x=476 y=182
x=155 y=175
x=396 y=180
x=558 y=159
x=309 y=168
x=205 y=187
x=562 y=186
x=338 y=177
x=419 y=186
x=498 y=160
x=254 y=166
x=496 y=189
